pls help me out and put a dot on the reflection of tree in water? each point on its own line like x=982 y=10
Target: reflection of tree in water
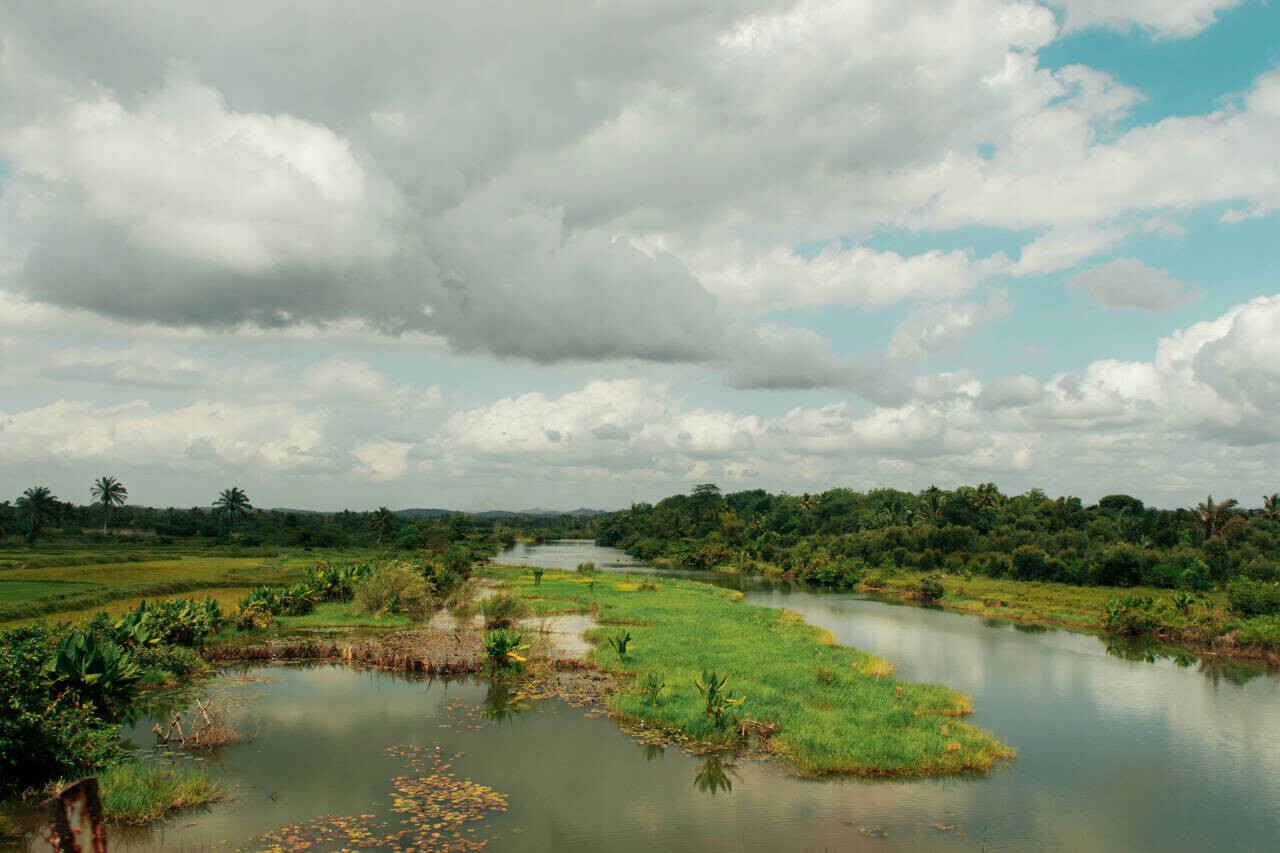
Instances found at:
x=1030 y=628
x=502 y=703
x=1216 y=670
x=713 y=775
x=654 y=751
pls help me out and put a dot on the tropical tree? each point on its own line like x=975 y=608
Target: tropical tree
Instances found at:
x=1214 y=515
x=1271 y=506
x=109 y=492
x=384 y=522
x=232 y=503
x=37 y=505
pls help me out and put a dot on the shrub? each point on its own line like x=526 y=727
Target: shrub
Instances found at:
x=44 y=735
x=502 y=647
x=1250 y=598
x=1130 y=616
x=502 y=609
x=393 y=588
x=176 y=660
x=930 y=588
x=96 y=670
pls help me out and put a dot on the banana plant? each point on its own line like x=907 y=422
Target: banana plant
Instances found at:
x=96 y=670
x=619 y=642
x=716 y=696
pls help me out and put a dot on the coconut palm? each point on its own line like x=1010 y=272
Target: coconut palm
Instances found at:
x=384 y=522
x=1214 y=515
x=1271 y=506
x=232 y=503
x=37 y=505
x=109 y=492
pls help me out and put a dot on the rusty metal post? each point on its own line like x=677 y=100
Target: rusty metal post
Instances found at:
x=75 y=819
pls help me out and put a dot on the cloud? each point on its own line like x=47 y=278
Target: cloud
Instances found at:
x=930 y=329
x=1163 y=18
x=1128 y=283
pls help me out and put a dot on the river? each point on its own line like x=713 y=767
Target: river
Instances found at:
x=1114 y=754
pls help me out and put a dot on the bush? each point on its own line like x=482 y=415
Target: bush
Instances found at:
x=930 y=588
x=1250 y=598
x=502 y=609
x=1130 y=616
x=502 y=647
x=176 y=660
x=44 y=735
x=394 y=588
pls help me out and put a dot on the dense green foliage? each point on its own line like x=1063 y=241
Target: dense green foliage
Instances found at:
x=47 y=728
x=843 y=536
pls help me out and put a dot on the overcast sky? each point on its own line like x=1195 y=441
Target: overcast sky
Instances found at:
x=499 y=255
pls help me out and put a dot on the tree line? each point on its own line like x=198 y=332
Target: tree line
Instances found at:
x=841 y=535
x=231 y=519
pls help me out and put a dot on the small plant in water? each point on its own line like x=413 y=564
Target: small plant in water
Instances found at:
x=502 y=647
x=619 y=642
x=537 y=576
x=716 y=696
x=651 y=687
x=588 y=568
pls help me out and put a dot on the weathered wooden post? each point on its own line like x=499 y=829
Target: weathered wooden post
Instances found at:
x=75 y=819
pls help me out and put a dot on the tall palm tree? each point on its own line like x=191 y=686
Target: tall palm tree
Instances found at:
x=37 y=505
x=384 y=522
x=1271 y=506
x=109 y=492
x=1214 y=515
x=233 y=503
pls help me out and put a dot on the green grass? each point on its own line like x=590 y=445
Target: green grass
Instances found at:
x=1066 y=604
x=136 y=793
x=335 y=614
x=13 y=592
x=31 y=592
x=837 y=709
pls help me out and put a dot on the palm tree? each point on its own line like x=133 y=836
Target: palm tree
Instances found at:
x=37 y=505
x=1214 y=515
x=1271 y=506
x=383 y=521
x=233 y=503
x=987 y=495
x=110 y=492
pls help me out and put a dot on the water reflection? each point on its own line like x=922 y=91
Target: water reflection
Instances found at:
x=714 y=774
x=503 y=702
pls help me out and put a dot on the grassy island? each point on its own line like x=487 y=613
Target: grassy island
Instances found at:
x=825 y=708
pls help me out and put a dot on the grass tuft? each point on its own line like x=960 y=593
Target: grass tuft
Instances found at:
x=134 y=793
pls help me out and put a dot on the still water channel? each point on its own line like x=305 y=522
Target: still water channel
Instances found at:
x=1114 y=754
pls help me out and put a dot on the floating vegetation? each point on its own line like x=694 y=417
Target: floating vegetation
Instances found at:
x=436 y=804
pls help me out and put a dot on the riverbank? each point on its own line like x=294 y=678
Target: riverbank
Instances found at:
x=1203 y=627
x=825 y=709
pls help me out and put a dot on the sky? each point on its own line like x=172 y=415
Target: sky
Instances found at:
x=502 y=255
